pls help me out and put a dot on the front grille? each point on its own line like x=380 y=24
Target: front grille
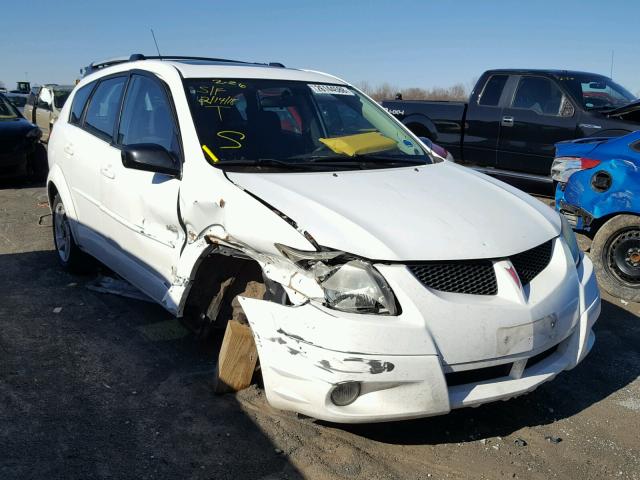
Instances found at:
x=530 y=263
x=478 y=277
x=473 y=277
x=541 y=356
x=478 y=375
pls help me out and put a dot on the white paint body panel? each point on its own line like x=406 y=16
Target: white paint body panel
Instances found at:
x=152 y=230
x=436 y=212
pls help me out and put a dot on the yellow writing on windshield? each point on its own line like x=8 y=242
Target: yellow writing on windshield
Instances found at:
x=211 y=155
x=229 y=135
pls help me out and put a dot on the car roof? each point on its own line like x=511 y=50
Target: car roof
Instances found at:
x=199 y=67
x=542 y=71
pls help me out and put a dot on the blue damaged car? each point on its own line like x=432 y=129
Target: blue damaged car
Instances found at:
x=598 y=191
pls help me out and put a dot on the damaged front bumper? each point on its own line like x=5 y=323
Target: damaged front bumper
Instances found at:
x=306 y=351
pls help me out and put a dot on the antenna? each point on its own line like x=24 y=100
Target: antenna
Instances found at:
x=611 y=71
x=156 y=42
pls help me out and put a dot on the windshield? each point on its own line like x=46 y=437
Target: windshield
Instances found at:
x=597 y=92
x=7 y=110
x=296 y=124
x=60 y=96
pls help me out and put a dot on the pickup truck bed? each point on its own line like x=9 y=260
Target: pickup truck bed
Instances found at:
x=514 y=118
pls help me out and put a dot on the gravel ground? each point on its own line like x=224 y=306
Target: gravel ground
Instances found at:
x=94 y=385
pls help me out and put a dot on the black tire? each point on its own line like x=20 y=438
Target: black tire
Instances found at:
x=69 y=254
x=615 y=252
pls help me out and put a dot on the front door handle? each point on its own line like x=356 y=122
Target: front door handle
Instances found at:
x=107 y=172
x=507 y=121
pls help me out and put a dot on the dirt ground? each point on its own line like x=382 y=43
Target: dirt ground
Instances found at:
x=94 y=385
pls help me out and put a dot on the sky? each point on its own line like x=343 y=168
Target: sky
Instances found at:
x=404 y=43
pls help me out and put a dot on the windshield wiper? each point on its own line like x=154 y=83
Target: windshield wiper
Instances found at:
x=365 y=159
x=263 y=162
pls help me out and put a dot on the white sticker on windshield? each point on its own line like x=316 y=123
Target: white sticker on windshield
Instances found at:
x=331 y=89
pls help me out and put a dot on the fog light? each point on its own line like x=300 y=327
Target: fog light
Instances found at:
x=345 y=393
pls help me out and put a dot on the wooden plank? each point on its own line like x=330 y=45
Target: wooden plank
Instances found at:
x=237 y=359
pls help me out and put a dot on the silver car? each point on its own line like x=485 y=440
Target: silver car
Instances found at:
x=43 y=107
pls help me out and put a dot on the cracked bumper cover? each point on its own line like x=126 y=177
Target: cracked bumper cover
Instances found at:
x=306 y=350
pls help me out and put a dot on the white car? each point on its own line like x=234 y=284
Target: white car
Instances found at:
x=387 y=283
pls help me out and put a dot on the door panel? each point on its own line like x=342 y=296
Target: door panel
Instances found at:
x=140 y=208
x=43 y=112
x=483 y=123
x=539 y=116
x=84 y=151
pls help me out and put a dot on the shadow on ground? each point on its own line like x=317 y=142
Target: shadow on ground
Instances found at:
x=99 y=386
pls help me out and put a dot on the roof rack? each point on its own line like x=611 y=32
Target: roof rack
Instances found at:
x=94 y=66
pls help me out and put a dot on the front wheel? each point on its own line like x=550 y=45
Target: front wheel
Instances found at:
x=615 y=252
x=69 y=254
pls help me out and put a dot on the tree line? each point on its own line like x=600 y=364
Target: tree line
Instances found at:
x=387 y=91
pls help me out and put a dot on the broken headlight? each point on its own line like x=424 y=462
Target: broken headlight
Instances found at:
x=350 y=284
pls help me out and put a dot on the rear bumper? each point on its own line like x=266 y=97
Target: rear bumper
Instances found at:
x=299 y=374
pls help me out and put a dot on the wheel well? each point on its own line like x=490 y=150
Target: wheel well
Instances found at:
x=599 y=222
x=219 y=279
x=51 y=192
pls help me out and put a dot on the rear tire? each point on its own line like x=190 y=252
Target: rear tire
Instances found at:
x=615 y=252
x=69 y=254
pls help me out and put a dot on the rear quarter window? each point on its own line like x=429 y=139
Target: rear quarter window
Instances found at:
x=79 y=101
x=490 y=96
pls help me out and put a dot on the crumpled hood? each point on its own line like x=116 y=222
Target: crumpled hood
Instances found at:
x=435 y=212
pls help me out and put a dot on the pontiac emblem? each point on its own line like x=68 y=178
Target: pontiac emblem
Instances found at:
x=514 y=275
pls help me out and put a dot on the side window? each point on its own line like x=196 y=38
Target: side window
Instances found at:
x=543 y=97
x=79 y=101
x=104 y=107
x=147 y=117
x=492 y=90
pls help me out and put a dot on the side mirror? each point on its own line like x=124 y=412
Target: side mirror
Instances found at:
x=151 y=158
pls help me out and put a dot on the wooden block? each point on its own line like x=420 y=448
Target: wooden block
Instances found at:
x=237 y=359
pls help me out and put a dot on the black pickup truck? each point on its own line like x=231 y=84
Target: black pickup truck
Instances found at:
x=514 y=118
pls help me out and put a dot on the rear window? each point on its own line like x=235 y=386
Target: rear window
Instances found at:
x=18 y=101
x=492 y=90
x=104 y=107
x=79 y=101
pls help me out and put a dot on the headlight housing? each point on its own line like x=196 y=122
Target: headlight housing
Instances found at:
x=350 y=284
x=570 y=238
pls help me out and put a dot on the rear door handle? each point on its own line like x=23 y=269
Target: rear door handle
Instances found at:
x=107 y=172
x=68 y=149
x=507 y=121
